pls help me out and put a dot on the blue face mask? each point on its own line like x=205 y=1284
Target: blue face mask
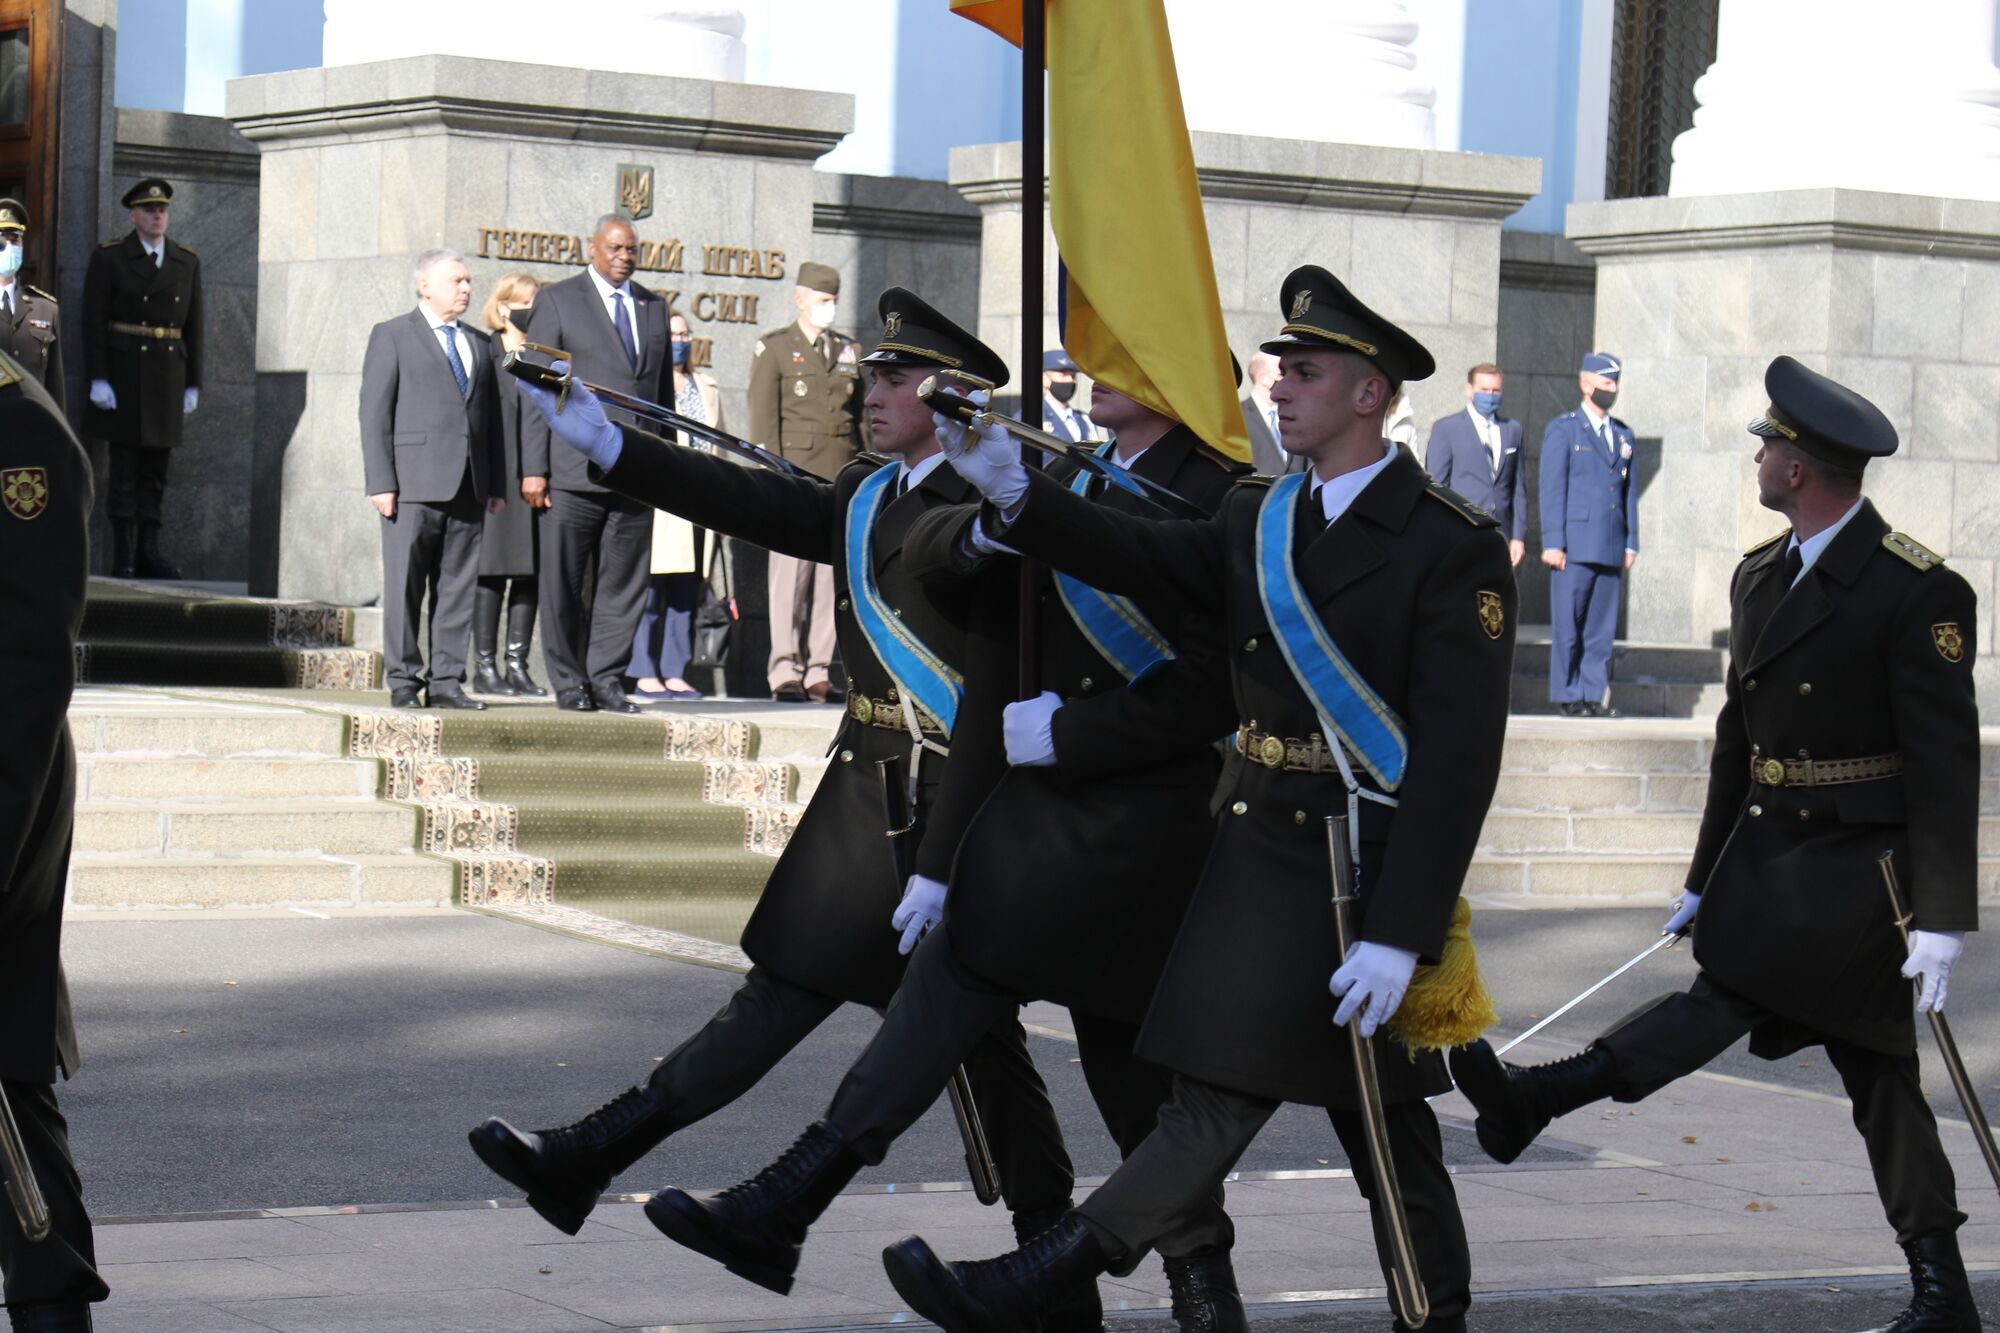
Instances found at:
x=681 y=350
x=10 y=261
x=1485 y=404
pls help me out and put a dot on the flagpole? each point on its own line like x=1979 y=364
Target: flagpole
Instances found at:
x=1034 y=48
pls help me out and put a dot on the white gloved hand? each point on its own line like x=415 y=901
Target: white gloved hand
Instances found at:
x=189 y=397
x=1932 y=952
x=922 y=907
x=581 y=423
x=1374 y=975
x=991 y=461
x=1684 y=909
x=1029 y=729
x=101 y=396
x=951 y=430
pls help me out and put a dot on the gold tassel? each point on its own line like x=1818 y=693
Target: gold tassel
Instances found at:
x=1448 y=1003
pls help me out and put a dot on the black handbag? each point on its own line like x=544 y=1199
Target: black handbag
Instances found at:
x=713 y=620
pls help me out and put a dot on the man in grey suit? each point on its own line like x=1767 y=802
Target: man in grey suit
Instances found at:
x=1260 y=416
x=1477 y=453
x=431 y=458
x=615 y=334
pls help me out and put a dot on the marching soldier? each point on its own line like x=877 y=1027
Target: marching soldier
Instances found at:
x=821 y=934
x=1370 y=641
x=142 y=352
x=1848 y=729
x=29 y=329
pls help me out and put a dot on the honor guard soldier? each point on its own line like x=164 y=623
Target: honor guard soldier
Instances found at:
x=29 y=329
x=44 y=563
x=1112 y=771
x=142 y=353
x=1848 y=730
x=1370 y=636
x=821 y=934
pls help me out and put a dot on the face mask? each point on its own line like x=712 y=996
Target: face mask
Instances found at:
x=1602 y=399
x=1485 y=404
x=681 y=349
x=823 y=314
x=10 y=261
x=1061 y=392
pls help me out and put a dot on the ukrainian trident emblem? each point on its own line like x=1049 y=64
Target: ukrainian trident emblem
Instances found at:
x=635 y=190
x=25 y=491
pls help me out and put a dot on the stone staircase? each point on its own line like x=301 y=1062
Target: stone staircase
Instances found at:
x=173 y=634
x=1647 y=679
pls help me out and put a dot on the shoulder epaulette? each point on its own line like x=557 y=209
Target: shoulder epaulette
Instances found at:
x=1912 y=551
x=1461 y=506
x=1209 y=453
x=1771 y=540
x=189 y=248
x=872 y=458
x=36 y=291
x=106 y=245
x=10 y=371
x=1255 y=479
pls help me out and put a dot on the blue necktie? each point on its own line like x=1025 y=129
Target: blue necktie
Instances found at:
x=457 y=366
x=623 y=323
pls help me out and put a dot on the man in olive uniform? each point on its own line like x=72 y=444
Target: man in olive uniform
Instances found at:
x=805 y=404
x=1370 y=643
x=29 y=329
x=142 y=352
x=1848 y=729
x=44 y=563
x=821 y=935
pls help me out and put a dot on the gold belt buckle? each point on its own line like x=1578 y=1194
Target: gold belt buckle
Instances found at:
x=1774 y=773
x=860 y=708
x=1272 y=752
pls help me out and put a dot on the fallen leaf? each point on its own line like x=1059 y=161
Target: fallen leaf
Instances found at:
x=229 y=983
x=1689 y=1138
x=1758 y=1206
x=1321 y=1160
x=180 y=1032
x=546 y=1268
x=1725 y=1159
x=1645 y=1191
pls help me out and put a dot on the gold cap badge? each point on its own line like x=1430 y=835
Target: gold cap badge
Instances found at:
x=25 y=491
x=892 y=326
x=1301 y=303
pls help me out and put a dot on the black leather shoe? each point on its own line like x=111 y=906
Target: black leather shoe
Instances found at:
x=1077 y=1308
x=150 y=562
x=576 y=700
x=50 y=1317
x=1205 y=1295
x=611 y=699
x=454 y=699
x=565 y=1170
x=791 y=692
x=1600 y=710
x=1003 y=1295
x=486 y=677
x=755 y=1229
x=1515 y=1103
x=406 y=696
x=1940 y=1296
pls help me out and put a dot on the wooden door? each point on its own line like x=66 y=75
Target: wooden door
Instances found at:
x=30 y=41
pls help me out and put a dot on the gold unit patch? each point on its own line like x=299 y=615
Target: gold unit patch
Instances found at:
x=24 y=491
x=1950 y=643
x=1492 y=615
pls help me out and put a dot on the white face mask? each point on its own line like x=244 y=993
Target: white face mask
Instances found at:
x=10 y=261
x=823 y=314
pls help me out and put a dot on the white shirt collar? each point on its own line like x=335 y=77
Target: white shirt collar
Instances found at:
x=604 y=289
x=913 y=477
x=1810 y=549
x=152 y=249
x=1596 y=418
x=1127 y=463
x=430 y=318
x=1480 y=422
x=1336 y=495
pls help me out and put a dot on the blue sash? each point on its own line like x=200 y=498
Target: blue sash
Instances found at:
x=1113 y=625
x=919 y=673
x=1347 y=707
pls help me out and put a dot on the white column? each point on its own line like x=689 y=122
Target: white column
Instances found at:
x=684 y=38
x=1855 y=94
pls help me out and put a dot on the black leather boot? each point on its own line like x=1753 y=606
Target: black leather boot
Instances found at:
x=50 y=1317
x=486 y=678
x=1007 y=1294
x=565 y=1170
x=123 y=537
x=521 y=637
x=1077 y=1308
x=1940 y=1295
x=755 y=1229
x=1516 y=1104
x=1205 y=1295
x=151 y=562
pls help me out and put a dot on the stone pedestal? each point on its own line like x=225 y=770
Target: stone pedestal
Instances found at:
x=365 y=166
x=1895 y=295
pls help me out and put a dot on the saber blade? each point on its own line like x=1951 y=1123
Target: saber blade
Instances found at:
x=31 y=1210
x=1664 y=942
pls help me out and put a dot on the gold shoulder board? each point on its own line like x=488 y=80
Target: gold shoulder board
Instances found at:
x=1254 y=479
x=185 y=246
x=36 y=291
x=106 y=245
x=1461 y=506
x=1771 y=540
x=1912 y=551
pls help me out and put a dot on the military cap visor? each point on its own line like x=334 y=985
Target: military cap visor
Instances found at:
x=915 y=334
x=822 y=278
x=152 y=190
x=1320 y=312
x=1825 y=418
x=13 y=216
x=1601 y=363
x=1057 y=359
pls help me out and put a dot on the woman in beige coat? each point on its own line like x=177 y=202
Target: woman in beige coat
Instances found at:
x=681 y=555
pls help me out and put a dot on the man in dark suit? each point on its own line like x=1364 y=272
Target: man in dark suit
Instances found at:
x=431 y=456
x=30 y=331
x=142 y=352
x=615 y=333
x=1849 y=729
x=1260 y=415
x=1590 y=537
x=1059 y=417
x=1477 y=453
x=44 y=564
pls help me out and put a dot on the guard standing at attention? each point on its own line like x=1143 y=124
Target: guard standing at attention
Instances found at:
x=142 y=353
x=29 y=329
x=1848 y=729
x=44 y=563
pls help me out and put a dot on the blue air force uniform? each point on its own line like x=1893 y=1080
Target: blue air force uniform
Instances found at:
x=1590 y=512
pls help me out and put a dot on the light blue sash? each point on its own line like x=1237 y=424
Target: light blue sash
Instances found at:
x=1347 y=707
x=919 y=673
x=1114 y=626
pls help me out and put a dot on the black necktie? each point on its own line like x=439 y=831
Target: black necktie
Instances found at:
x=1795 y=562
x=902 y=484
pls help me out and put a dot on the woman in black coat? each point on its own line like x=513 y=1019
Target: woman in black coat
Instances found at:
x=509 y=547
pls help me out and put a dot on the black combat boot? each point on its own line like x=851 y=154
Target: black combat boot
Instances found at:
x=1516 y=1104
x=520 y=636
x=565 y=1170
x=1077 y=1308
x=1205 y=1295
x=486 y=678
x=124 y=535
x=50 y=1317
x=755 y=1229
x=151 y=562
x=1940 y=1295
x=1008 y=1294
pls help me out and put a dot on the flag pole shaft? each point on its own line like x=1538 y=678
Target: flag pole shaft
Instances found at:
x=1034 y=48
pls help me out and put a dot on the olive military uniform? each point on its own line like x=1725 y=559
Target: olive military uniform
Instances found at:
x=29 y=329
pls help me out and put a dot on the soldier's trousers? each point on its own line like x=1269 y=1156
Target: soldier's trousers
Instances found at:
x=63 y=1267
x=1678 y=1034
x=767 y=1016
x=939 y=1014
x=137 y=482
x=1203 y=1130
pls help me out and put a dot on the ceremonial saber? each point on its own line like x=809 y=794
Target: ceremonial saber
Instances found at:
x=1664 y=942
x=23 y=1190
x=1961 y=1082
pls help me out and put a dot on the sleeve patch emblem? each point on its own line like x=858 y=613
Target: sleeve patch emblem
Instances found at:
x=24 y=491
x=1493 y=615
x=1950 y=643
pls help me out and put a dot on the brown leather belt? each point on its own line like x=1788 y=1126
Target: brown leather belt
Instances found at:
x=147 y=331
x=1776 y=772
x=888 y=715
x=1286 y=753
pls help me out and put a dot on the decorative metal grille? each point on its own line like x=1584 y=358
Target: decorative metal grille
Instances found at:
x=1658 y=49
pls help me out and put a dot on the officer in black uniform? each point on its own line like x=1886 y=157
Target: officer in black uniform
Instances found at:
x=1848 y=729
x=44 y=562
x=1113 y=777
x=29 y=329
x=821 y=934
x=1414 y=587
x=142 y=353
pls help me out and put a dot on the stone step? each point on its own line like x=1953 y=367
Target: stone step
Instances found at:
x=1514 y=833
x=178 y=828
x=406 y=880
x=241 y=665
x=1601 y=792
x=1631 y=698
x=98 y=726
x=124 y=777
x=121 y=611
x=1649 y=662
x=1636 y=878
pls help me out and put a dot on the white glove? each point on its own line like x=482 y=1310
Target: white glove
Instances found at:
x=1029 y=728
x=951 y=430
x=991 y=462
x=1932 y=952
x=922 y=907
x=581 y=423
x=101 y=396
x=189 y=397
x=1374 y=975
x=1685 y=907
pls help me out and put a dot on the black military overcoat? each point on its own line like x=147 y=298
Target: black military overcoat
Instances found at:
x=149 y=375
